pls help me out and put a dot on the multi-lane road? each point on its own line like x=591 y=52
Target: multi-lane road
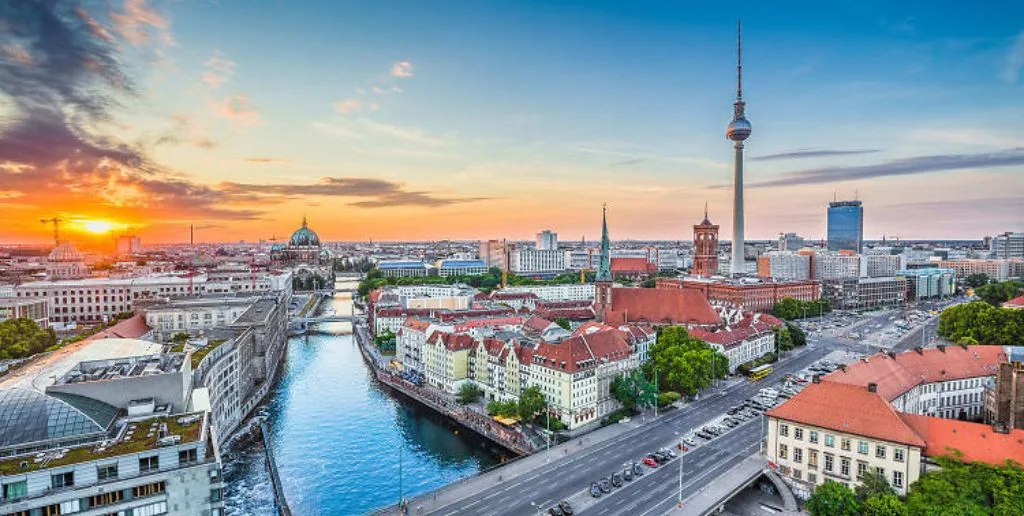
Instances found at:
x=569 y=477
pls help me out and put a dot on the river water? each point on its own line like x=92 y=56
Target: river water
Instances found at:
x=341 y=441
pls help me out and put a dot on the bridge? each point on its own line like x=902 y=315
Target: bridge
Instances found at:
x=324 y=319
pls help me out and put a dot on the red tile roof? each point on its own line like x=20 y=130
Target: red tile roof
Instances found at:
x=573 y=314
x=1017 y=302
x=537 y=324
x=452 y=341
x=498 y=295
x=416 y=324
x=749 y=326
x=977 y=442
x=847 y=408
x=660 y=306
x=130 y=328
x=626 y=265
x=582 y=352
x=898 y=375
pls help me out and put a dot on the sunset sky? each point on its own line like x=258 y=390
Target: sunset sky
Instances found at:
x=486 y=119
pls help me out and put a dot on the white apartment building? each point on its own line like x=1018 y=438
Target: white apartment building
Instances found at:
x=784 y=266
x=566 y=292
x=999 y=270
x=580 y=259
x=750 y=338
x=536 y=261
x=192 y=315
x=409 y=343
x=834 y=265
x=1008 y=245
x=547 y=240
x=881 y=265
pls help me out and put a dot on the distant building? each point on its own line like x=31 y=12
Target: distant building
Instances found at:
x=1004 y=396
x=705 y=248
x=856 y=293
x=461 y=267
x=747 y=295
x=999 y=269
x=881 y=265
x=750 y=338
x=536 y=262
x=128 y=244
x=565 y=292
x=790 y=242
x=547 y=240
x=845 y=226
x=402 y=268
x=634 y=268
x=580 y=259
x=303 y=247
x=828 y=265
x=25 y=308
x=493 y=253
x=929 y=283
x=784 y=265
x=1008 y=245
x=65 y=262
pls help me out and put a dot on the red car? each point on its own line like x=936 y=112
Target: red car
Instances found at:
x=650 y=462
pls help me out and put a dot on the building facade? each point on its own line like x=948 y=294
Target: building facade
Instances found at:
x=790 y=242
x=402 y=268
x=447 y=268
x=753 y=296
x=1008 y=245
x=547 y=240
x=705 y=248
x=845 y=226
x=929 y=283
x=835 y=265
x=784 y=266
x=856 y=293
x=25 y=308
x=536 y=261
x=999 y=270
x=881 y=265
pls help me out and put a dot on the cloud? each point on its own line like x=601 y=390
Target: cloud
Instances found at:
x=402 y=69
x=901 y=167
x=378 y=192
x=266 y=161
x=218 y=70
x=240 y=109
x=1014 y=60
x=139 y=24
x=344 y=107
x=184 y=130
x=404 y=133
x=16 y=53
x=812 y=153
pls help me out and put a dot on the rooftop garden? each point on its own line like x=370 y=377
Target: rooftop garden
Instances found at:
x=199 y=354
x=139 y=441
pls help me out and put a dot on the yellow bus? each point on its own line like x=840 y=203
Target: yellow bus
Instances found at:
x=760 y=372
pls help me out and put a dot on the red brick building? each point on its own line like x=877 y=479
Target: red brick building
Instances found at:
x=705 y=247
x=755 y=297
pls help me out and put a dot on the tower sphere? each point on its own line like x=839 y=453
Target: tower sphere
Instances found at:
x=738 y=130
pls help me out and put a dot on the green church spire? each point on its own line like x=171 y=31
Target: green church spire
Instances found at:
x=604 y=271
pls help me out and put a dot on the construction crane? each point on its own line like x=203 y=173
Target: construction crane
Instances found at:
x=56 y=227
x=505 y=264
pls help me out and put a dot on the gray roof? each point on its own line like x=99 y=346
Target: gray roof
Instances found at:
x=29 y=417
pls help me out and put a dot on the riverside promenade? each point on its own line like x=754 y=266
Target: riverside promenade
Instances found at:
x=510 y=438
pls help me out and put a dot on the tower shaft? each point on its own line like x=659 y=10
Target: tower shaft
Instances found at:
x=738 y=265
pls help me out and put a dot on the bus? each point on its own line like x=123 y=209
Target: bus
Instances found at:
x=760 y=372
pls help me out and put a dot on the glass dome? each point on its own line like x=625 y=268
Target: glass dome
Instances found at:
x=304 y=236
x=30 y=417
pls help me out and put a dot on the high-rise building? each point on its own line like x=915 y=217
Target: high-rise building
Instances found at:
x=738 y=131
x=1008 y=245
x=705 y=247
x=790 y=242
x=784 y=266
x=128 y=244
x=833 y=266
x=845 y=226
x=493 y=253
x=547 y=240
x=881 y=265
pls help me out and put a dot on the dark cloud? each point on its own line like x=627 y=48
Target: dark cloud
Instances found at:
x=900 y=167
x=381 y=193
x=812 y=153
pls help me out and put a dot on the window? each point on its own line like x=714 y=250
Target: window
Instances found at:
x=862 y=467
x=106 y=472
x=187 y=456
x=797 y=474
x=15 y=490
x=106 y=498
x=829 y=461
x=798 y=455
x=147 y=464
x=784 y=430
x=813 y=437
x=812 y=459
x=62 y=480
x=812 y=478
x=151 y=510
x=798 y=433
x=862 y=447
x=783 y=451
x=147 y=490
x=880 y=451
x=897 y=479
x=880 y=470
x=844 y=466
x=845 y=445
x=830 y=440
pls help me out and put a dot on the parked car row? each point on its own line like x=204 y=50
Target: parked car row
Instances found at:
x=606 y=484
x=562 y=508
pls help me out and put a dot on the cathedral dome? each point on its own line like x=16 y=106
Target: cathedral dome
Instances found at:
x=65 y=253
x=304 y=236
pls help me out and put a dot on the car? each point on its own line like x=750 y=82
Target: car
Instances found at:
x=732 y=411
x=657 y=457
x=566 y=507
x=689 y=441
x=650 y=462
x=595 y=491
x=605 y=484
x=669 y=451
x=637 y=470
x=555 y=510
x=616 y=480
x=627 y=474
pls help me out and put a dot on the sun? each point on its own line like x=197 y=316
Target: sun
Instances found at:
x=98 y=226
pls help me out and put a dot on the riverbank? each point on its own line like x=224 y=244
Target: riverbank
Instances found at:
x=511 y=439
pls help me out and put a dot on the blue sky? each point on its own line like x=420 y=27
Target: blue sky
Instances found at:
x=398 y=120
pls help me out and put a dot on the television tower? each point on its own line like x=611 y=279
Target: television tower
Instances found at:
x=738 y=131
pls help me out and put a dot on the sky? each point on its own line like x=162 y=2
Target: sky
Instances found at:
x=411 y=120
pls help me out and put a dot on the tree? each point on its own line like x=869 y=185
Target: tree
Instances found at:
x=648 y=283
x=797 y=334
x=682 y=363
x=976 y=280
x=469 y=393
x=633 y=390
x=783 y=339
x=982 y=323
x=179 y=338
x=873 y=484
x=788 y=308
x=832 y=499
x=996 y=294
x=667 y=398
x=975 y=488
x=503 y=408
x=20 y=338
x=885 y=505
x=531 y=402
x=564 y=323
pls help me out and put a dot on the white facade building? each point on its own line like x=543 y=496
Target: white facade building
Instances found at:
x=881 y=265
x=547 y=240
x=834 y=265
x=535 y=261
x=566 y=292
x=784 y=266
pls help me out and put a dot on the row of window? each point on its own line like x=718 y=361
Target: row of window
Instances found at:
x=104 y=499
x=863 y=447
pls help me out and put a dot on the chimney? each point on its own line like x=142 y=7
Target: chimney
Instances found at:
x=919 y=349
x=816 y=378
x=872 y=387
x=892 y=354
x=942 y=347
x=1000 y=427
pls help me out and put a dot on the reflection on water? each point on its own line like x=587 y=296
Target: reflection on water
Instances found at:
x=339 y=439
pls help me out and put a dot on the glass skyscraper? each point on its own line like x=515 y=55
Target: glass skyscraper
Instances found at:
x=845 y=226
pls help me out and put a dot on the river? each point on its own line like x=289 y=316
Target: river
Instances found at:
x=341 y=441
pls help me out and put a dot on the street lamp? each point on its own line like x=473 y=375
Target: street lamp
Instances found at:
x=680 y=472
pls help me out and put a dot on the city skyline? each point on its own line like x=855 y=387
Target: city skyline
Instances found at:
x=145 y=117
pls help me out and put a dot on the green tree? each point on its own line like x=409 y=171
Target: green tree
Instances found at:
x=968 y=488
x=20 y=338
x=797 y=334
x=832 y=499
x=783 y=339
x=873 y=484
x=885 y=505
x=976 y=280
x=564 y=323
x=982 y=323
x=633 y=390
x=648 y=283
x=469 y=393
x=996 y=294
x=667 y=398
x=531 y=403
x=179 y=338
x=503 y=408
x=682 y=363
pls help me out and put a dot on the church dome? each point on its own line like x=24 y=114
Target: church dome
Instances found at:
x=304 y=236
x=65 y=253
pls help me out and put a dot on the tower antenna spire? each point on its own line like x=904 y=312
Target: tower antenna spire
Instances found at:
x=705 y=210
x=739 y=59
